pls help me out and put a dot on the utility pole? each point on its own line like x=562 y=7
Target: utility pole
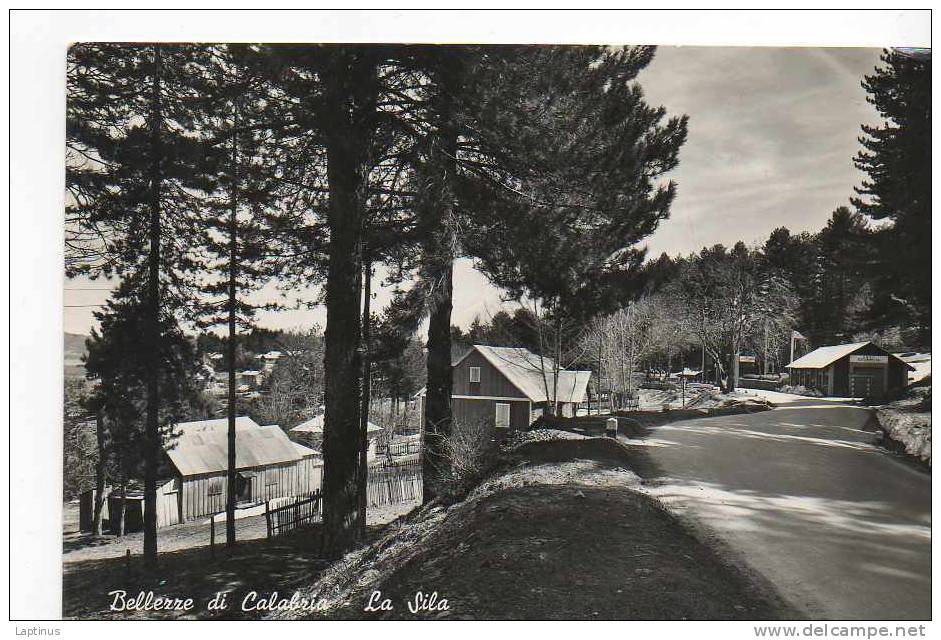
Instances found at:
x=702 y=369
x=766 y=369
x=363 y=479
x=599 y=371
x=231 y=476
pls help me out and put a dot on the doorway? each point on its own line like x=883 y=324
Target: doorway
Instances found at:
x=243 y=486
x=866 y=385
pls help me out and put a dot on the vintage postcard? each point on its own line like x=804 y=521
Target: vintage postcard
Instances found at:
x=464 y=332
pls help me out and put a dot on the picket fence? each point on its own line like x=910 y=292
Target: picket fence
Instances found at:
x=394 y=483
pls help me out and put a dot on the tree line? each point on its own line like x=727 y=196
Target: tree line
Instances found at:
x=864 y=276
x=197 y=174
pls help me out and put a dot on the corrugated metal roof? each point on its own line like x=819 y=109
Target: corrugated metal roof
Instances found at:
x=315 y=425
x=202 y=447
x=825 y=356
x=215 y=424
x=525 y=370
x=307 y=451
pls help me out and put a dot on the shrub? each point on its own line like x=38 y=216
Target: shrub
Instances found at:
x=471 y=451
x=659 y=386
x=801 y=390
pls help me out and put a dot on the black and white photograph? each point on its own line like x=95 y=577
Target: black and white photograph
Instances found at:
x=459 y=330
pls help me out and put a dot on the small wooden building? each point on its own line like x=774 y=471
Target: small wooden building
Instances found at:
x=857 y=370
x=510 y=387
x=310 y=433
x=269 y=466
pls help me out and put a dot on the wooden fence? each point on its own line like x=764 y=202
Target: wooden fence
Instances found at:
x=394 y=483
x=296 y=513
x=404 y=448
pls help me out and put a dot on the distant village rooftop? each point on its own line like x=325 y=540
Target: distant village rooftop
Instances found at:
x=315 y=426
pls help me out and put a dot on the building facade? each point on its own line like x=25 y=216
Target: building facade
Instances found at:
x=269 y=465
x=510 y=387
x=857 y=370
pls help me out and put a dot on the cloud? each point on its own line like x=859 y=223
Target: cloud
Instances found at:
x=772 y=135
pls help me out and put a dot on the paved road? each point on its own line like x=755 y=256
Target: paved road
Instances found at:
x=842 y=528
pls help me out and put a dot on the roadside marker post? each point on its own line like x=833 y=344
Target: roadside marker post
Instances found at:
x=611 y=427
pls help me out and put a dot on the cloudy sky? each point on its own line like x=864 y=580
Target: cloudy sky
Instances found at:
x=772 y=134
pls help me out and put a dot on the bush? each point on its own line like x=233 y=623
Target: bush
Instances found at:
x=471 y=451
x=659 y=386
x=801 y=390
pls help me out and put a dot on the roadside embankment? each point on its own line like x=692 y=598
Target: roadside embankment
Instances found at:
x=558 y=531
x=907 y=423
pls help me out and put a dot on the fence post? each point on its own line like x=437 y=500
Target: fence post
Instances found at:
x=212 y=535
x=268 y=519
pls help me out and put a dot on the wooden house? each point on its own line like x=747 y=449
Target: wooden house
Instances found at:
x=510 y=387
x=269 y=466
x=857 y=370
x=310 y=433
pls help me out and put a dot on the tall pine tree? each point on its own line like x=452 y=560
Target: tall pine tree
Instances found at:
x=132 y=171
x=587 y=152
x=896 y=156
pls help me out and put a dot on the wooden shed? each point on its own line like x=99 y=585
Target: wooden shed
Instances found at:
x=269 y=466
x=857 y=370
x=509 y=387
x=310 y=433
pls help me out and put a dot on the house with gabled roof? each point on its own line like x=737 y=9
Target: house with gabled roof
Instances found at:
x=856 y=370
x=510 y=387
x=269 y=465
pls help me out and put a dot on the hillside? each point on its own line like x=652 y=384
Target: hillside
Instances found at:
x=560 y=533
x=73 y=351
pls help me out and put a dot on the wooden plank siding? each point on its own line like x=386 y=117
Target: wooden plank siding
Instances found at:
x=492 y=381
x=168 y=504
x=205 y=494
x=836 y=378
x=484 y=410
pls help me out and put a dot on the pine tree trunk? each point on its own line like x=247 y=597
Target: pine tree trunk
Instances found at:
x=152 y=434
x=438 y=265
x=122 y=508
x=362 y=478
x=99 y=474
x=233 y=275
x=438 y=416
x=350 y=89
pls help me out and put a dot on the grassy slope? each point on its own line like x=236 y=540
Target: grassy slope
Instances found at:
x=73 y=349
x=561 y=534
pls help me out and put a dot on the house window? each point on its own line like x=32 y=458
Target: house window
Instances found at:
x=503 y=415
x=215 y=486
x=475 y=374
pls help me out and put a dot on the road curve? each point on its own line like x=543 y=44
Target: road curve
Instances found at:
x=841 y=527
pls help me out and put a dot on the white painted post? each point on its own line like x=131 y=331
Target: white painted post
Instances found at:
x=611 y=427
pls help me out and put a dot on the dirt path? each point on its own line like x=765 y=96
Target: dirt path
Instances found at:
x=94 y=567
